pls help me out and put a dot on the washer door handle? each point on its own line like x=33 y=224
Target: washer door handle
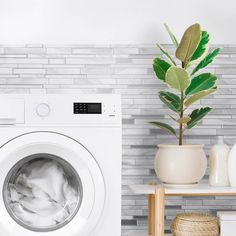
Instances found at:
x=7 y=121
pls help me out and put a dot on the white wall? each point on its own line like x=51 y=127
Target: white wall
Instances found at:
x=112 y=21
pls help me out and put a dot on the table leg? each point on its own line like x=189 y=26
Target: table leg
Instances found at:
x=151 y=214
x=159 y=211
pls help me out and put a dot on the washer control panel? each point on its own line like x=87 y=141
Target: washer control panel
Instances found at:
x=87 y=108
x=58 y=109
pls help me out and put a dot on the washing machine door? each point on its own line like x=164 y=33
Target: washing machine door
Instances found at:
x=51 y=185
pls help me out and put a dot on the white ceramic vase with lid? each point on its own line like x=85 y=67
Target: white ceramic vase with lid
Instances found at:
x=219 y=164
x=232 y=166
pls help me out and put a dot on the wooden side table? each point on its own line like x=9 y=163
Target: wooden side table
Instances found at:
x=156 y=200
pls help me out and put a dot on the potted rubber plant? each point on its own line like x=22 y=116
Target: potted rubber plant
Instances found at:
x=184 y=165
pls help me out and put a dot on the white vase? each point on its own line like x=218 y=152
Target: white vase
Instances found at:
x=179 y=166
x=219 y=164
x=232 y=166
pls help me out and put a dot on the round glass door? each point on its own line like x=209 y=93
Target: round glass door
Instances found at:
x=42 y=192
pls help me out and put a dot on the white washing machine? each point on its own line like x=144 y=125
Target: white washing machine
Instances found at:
x=60 y=165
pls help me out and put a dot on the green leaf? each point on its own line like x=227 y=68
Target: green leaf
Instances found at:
x=167 y=128
x=173 y=38
x=197 y=115
x=164 y=51
x=177 y=78
x=171 y=100
x=202 y=46
x=189 y=43
x=198 y=96
x=160 y=67
x=206 y=61
x=201 y=82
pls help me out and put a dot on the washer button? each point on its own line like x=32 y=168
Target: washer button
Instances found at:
x=43 y=110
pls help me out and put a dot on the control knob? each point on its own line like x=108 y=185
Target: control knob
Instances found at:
x=43 y=110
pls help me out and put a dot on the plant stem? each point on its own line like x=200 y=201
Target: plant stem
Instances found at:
x=181 y=116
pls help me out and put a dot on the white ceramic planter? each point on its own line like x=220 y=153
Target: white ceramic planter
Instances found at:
x=180 y=166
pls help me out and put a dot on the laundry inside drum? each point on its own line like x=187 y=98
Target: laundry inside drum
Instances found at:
x=42 y=192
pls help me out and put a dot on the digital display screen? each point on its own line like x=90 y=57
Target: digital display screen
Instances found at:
x=94 y=107
x=87 y=108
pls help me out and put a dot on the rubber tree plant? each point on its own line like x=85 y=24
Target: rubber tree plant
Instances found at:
x=188 y=85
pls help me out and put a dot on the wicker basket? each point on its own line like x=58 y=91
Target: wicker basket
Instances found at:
x=195 y=224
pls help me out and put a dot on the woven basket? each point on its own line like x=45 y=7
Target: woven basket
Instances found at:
x=195 y=224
